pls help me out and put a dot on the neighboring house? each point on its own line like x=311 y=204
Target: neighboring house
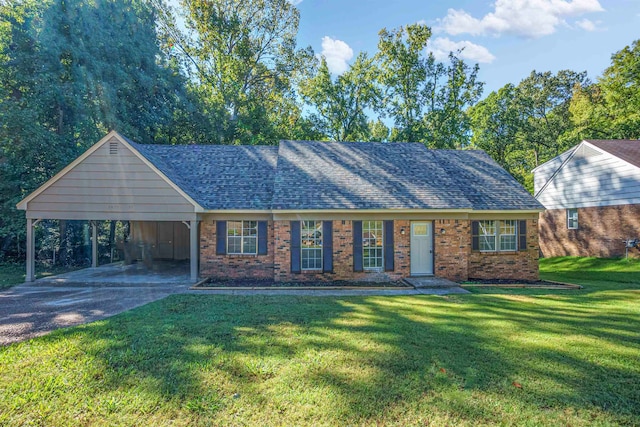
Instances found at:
x=304 y=210
x=592 y=196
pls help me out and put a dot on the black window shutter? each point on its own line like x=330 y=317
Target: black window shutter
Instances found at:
x=221 y=237
x=295 y=247
x=262 y=237
x=388 y=246
x=522 y=235
x=327 y=246
x=357 y=246
x=475 y=236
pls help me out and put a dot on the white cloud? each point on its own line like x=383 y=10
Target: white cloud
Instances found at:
x=441 y=46
x=526 y=18
x=337 y=54
x=295 y=2
x=586 y=25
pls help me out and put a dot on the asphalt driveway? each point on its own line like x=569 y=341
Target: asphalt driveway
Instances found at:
x=30 y=310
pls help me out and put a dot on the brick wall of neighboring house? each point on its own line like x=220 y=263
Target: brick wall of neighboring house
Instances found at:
x=342 y=255
x=233 y=266
x=452 y=238
x=600 y=232
x=519 y=265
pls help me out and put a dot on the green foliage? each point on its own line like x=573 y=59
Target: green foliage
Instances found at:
x=426 y=99
x=70 y=71
x=523 y=126
x=242 y=61
x=610 y=109
x=341 y=105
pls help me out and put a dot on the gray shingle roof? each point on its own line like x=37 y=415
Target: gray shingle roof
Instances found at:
x=302 y=175
x=485 y=184
x=362 y=175
x=218 y=176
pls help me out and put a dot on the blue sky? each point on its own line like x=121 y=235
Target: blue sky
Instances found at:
x=509 y=38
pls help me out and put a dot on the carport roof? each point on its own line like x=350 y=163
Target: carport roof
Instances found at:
x=311 y=175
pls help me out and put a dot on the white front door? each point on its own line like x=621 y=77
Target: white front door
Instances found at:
x=421 y=248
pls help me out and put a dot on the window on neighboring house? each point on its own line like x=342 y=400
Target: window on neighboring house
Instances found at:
x=487 y=233
x=242 y=237
x=572 y=219
x=311 y=245
x=508 y=235
x=372 y=245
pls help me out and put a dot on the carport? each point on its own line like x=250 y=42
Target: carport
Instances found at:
x=113 y=181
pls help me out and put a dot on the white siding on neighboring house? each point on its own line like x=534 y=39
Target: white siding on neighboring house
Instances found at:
x=545 y=171
x=111 y=183
x=590 y=178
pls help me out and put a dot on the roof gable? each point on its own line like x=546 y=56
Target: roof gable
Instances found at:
x=625 y=149
x=111 y=138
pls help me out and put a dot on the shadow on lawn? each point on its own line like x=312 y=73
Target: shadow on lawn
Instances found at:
x=363 y=357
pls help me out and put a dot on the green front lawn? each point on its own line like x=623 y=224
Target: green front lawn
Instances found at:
x=553 y=358
x=13 y=273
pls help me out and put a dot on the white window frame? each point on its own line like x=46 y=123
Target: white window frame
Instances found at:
x=310 y=242
x=487 y=238
x=495 y=242
x=370 y=229
x=572 y=218
x=245 y=227
x=512 y=224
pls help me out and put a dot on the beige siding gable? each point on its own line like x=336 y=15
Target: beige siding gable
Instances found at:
x=110 y=181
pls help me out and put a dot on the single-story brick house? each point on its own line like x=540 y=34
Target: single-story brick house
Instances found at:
x=592 y=196
x=304 y=210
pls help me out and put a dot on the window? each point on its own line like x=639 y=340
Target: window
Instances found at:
x=508 y=236
x=372 y=245
x=487 y=230
x=242 y=237
x=311 y=245
x=496 y=236
x=572 y=219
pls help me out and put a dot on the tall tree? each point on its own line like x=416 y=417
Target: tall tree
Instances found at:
x=403 y=74
x=426 y=99
x=340 y=105
x=446 y=120
x=243 y=61
x=69 y=71
x=611 y=107
x=544 y=100
x=526 y=125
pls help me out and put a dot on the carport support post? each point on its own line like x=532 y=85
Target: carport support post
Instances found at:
x=31 y=244
x=94 y=244
x=193 y=252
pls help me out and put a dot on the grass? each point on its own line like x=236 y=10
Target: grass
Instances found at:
x=14 y=273
x=529 y=358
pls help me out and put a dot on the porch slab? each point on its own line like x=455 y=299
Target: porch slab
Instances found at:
x=420 y=282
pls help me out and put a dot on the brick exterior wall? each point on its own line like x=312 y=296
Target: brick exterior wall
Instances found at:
x=342 y=256
x=453 y=258
x=233 y=266
x=452 y=238
x=600 y=232
x=518 y=265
